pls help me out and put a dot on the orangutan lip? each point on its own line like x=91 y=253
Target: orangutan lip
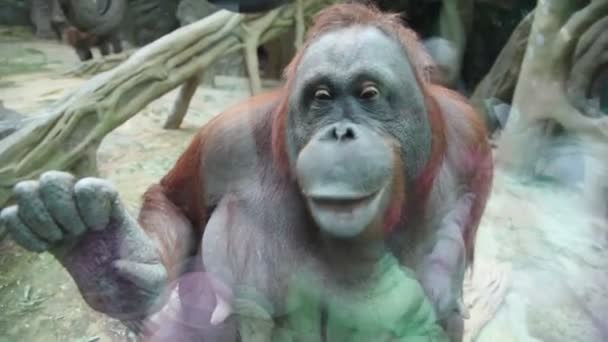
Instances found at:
x=341 y=204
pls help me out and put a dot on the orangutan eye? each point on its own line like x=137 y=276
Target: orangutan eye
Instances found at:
x=322 y=94
x=369 y=92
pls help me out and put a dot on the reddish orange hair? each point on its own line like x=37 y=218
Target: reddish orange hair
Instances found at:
x=353 y=14
x=356 y=14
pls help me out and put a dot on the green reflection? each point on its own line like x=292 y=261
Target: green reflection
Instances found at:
x=391 y=307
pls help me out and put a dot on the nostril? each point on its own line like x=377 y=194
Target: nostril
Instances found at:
x=343 y=133
x=337 y=133
x=349 y=134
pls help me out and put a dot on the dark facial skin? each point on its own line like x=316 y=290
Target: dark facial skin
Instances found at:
x=355 y=99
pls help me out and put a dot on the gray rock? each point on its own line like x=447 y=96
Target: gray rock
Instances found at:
x=40 y=16
x=14 y=13
x=149 y=20
x=189 y=11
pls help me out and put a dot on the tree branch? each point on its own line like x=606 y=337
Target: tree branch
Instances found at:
x=501 y=79
x=453 y=28
x=578 y=23
x=590 y=55
x=574 y=121
x=541 y=95
x=280 y=21
x=300 y=25
x=180 y=107
x=96 y=66
x=250 y=35
x=64 y=137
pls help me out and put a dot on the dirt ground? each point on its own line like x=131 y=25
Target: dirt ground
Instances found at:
x=534 y=241
x=38 y=300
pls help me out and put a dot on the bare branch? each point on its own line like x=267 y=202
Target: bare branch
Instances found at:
x=591 y=55
x=501 y=80
x=180 y=107
x=576 y=122
x=250 y=35
x=96 y=66
x=590 y=36
x=75 y=125
x=300 y=25
x=271 y=25
x=578 y=23
x=453 y=28
x=67 y=134
x=541 y=92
